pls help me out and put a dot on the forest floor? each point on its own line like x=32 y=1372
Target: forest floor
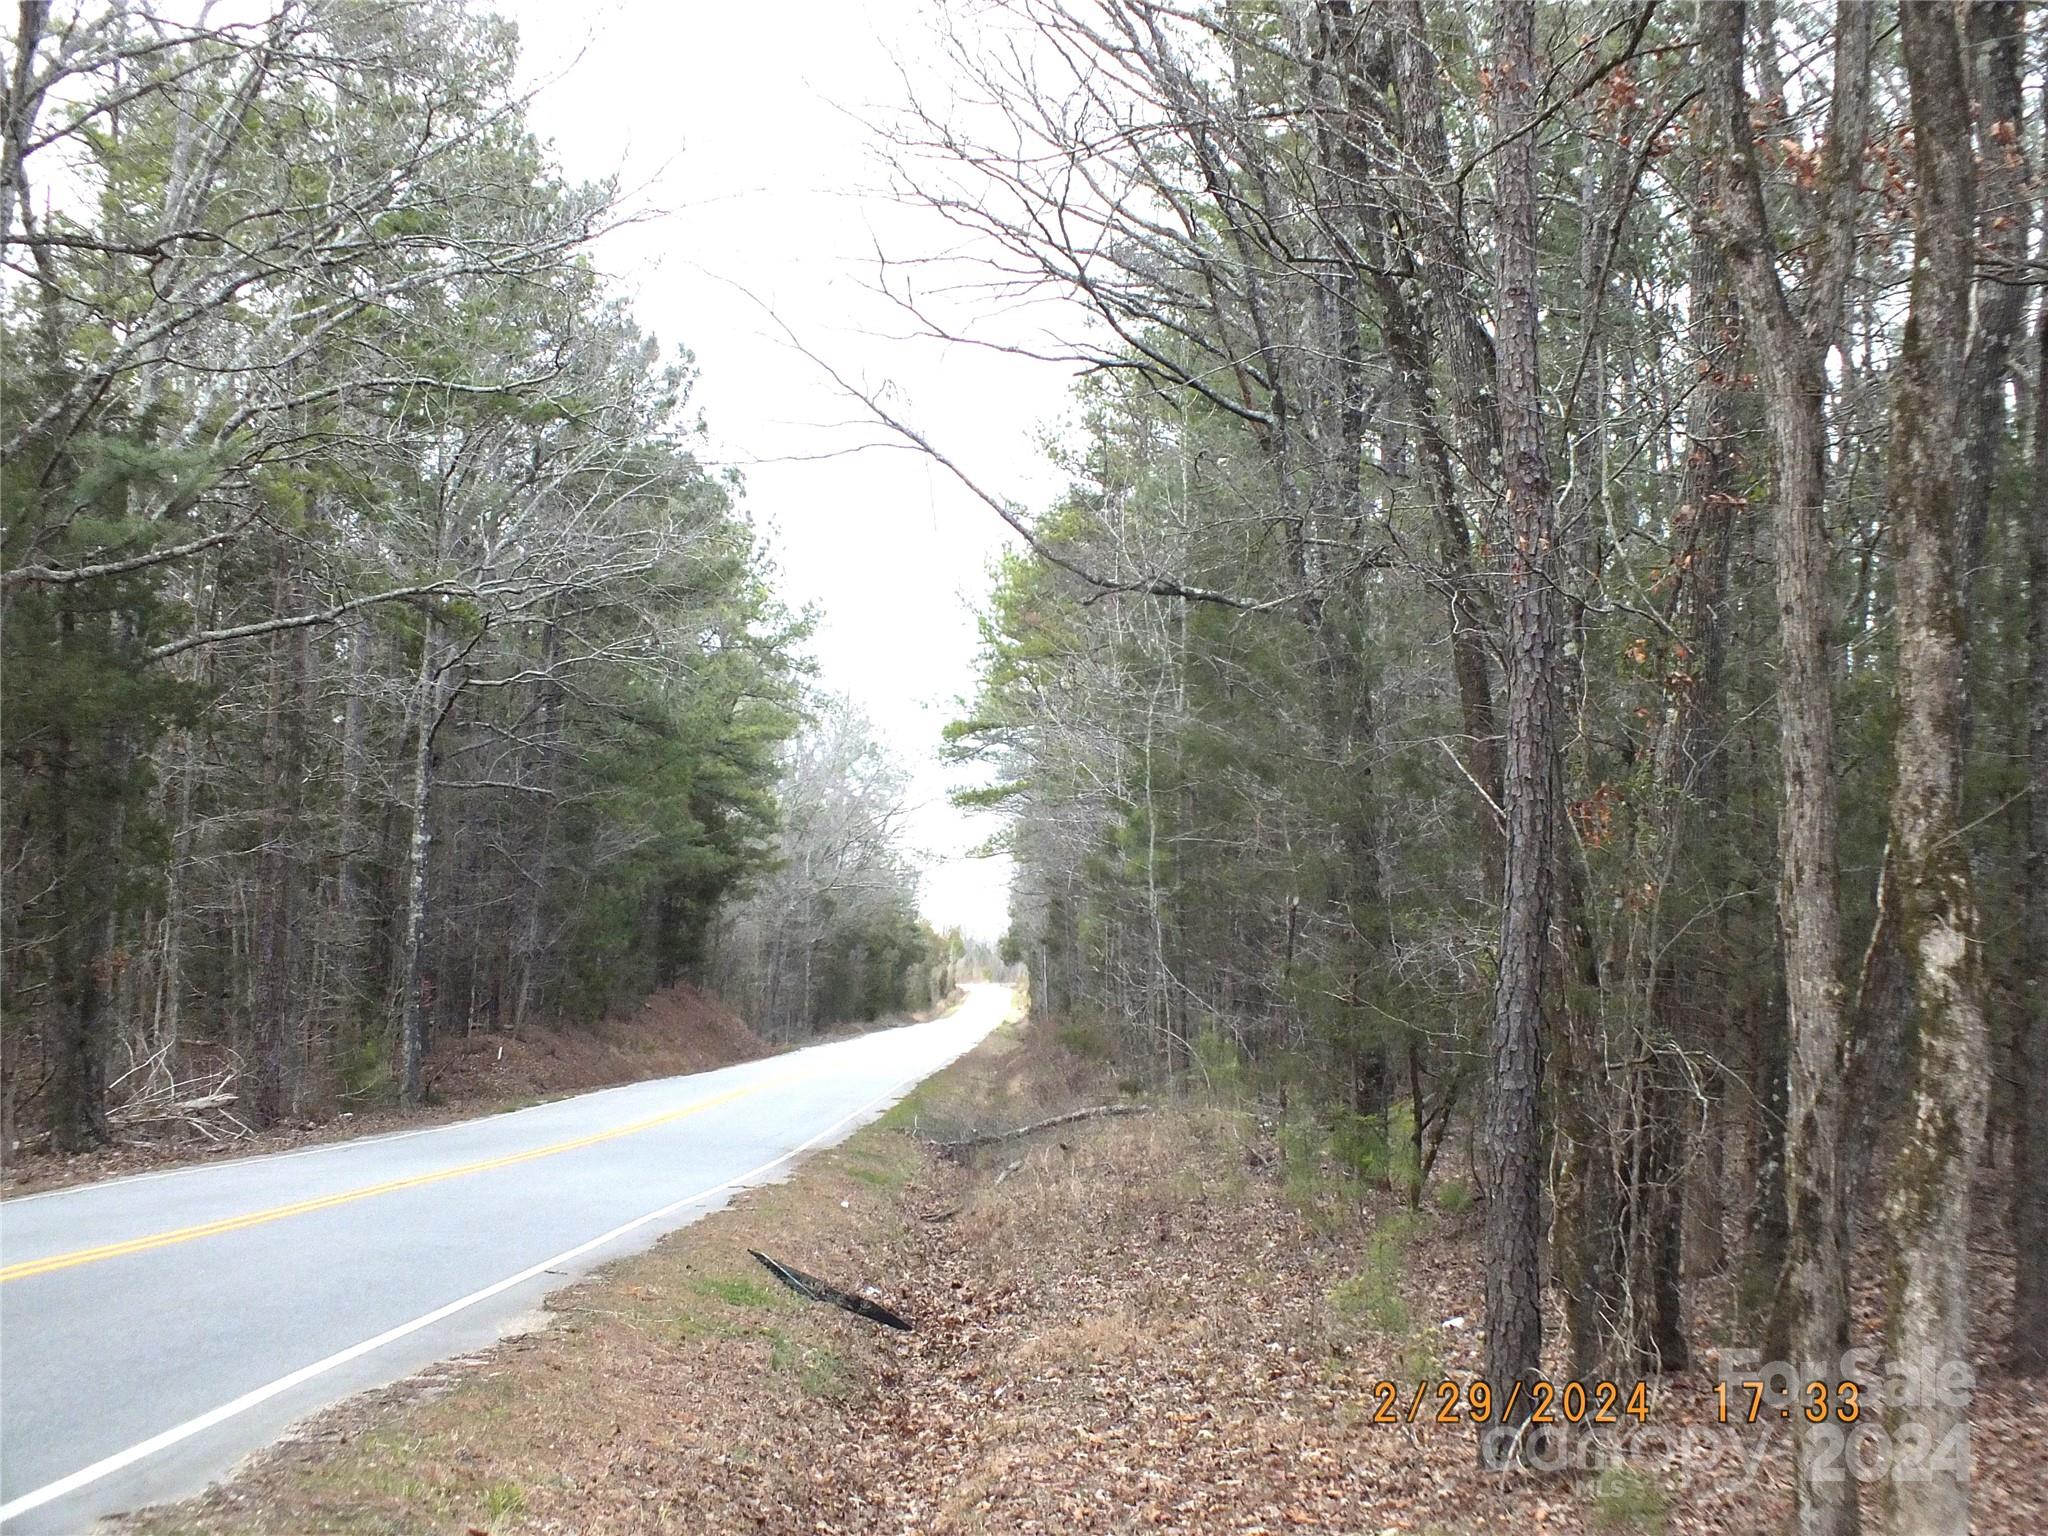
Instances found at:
x=1157 y=1322
x=678 y=1030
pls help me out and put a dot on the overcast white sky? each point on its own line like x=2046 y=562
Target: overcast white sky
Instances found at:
x=743 y=122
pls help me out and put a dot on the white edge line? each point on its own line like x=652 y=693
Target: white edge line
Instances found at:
x=142 y=1450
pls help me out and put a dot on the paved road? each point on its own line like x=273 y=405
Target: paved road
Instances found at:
x=153 y=1330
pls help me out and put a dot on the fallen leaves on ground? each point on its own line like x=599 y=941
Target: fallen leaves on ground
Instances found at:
x=1143 y=1329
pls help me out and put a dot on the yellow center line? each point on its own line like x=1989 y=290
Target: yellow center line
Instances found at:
x=57 y=1261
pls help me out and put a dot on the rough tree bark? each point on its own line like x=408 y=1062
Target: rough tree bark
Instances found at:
x=2004 y=220
x=271 y=1087
x=1514 y=1170
x=1927 y=878
x=2028 y=1351
x=1468 y=354
x=539 y=773
x=1448 y=267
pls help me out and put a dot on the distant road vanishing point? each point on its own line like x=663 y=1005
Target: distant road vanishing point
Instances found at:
x=155 y=1329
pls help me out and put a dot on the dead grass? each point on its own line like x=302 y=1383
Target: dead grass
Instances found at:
x=1151 y=1324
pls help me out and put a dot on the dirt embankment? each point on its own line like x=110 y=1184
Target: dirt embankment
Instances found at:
x=675 y=1031
x=1165 y=1321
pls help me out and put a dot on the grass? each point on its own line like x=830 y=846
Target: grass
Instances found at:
x=741 y=1290
x=1627 y=1500
x=879 y=1165
x=387 y=1468
x=1374 y=1292
x=903 y=1114
x=686 y=1327
x=502 y=1500
x=818 y=1369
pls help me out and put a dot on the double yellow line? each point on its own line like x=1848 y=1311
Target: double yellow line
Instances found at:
x=57 y=1261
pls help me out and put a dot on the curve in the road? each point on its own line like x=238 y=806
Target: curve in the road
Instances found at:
x=158 y=1328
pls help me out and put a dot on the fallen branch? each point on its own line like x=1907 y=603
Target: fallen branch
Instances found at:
x=811 y=1288
x=953 y=1149
x=201 y=1107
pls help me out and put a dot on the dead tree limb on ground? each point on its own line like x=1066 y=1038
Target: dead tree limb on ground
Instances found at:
x=953 y=1149
x=811 y=1288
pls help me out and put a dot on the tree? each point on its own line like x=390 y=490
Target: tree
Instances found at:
x=1791 y=346
x=1927 y=894
x=830 y=933
x=2029 y=1347
x=355 y=545
x=1514 y=1172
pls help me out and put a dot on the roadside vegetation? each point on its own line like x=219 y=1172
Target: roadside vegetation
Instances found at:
x=677 y=1030
x=1546 y=631
x=1523 y=739
x=1172 y=1320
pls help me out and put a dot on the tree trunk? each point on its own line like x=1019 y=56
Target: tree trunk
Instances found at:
x=86 y=867
x=1927 y=1209
x=1817 y=1296
x=1766 y=1238
x=271 y=992
x=2028 y=1351
x=540 y=775
x=2003 y=217
x=1468 y=353
x=1514 y=1282
x=1792 y=348
x=1687 y=1017
x=429 y=705
x=351 y=896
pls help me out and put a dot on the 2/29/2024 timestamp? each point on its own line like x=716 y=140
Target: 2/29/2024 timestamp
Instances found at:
x=1758 y=1401
x=1476 y=1402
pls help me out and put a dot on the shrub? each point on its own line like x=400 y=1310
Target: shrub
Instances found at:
x=1222 y=1068
x=1374 y=1293
x=1301 y=1156
x=1379 y=1152
x=1088 y=1039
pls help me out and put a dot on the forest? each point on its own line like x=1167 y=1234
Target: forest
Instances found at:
x=381 y=662
x=1549 y=629
x=1543 y=646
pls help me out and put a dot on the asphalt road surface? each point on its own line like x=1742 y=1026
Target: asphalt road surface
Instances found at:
x=154 y=1330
